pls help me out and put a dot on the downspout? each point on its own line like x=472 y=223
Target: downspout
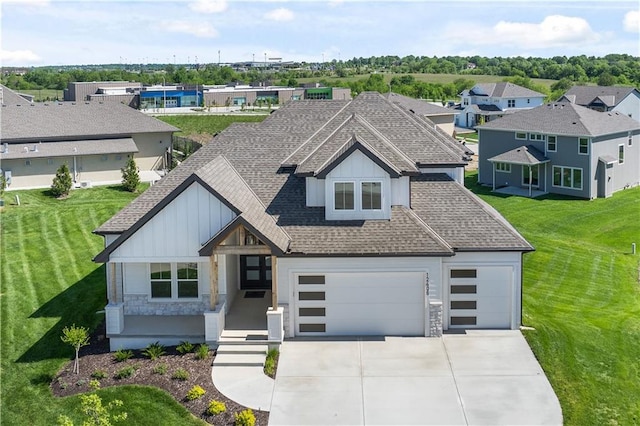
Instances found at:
x=530 y=177
x=75 y=170
x=494 y=176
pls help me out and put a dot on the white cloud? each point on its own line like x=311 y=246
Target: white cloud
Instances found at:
x=632 y=21
x=208 y=6
x=280 y=15
x=335 y=3
x=198 y=29
x=8 y=57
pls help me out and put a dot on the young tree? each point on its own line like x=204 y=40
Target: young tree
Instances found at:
x=76 y=337
x=61 y=182
x=96 y=413
x=3 y=185
x=130 y=176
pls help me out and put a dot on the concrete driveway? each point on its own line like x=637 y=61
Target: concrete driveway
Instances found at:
x=478 y=378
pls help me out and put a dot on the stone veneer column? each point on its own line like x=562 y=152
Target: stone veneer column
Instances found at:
x=435 y=318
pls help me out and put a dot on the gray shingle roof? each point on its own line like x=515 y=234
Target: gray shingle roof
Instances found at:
x=257 y=151
x=67 y=120
x=9 y=97
x=564 y=118
x=584 y=95
x=527 y=155
x=503 y=90
x=69 y=148
x=418 y=106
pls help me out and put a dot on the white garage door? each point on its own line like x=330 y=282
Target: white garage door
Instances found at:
x=480 y=297
x=381 y=303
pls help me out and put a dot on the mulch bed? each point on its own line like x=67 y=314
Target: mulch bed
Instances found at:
x=96 y=357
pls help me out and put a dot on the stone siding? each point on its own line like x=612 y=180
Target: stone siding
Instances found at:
x=138 y=304
x=435 y=319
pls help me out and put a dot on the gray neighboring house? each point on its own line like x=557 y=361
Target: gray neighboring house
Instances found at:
x=92 y=138
x=561 y=148
x=625 y=100
x=442 y=117
x=485 y=102
x=330 y=217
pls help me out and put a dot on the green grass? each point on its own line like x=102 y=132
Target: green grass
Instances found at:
x=430 y=78
x=210 y=124
x=40 y=95
x=48 y=281
x=582 y=296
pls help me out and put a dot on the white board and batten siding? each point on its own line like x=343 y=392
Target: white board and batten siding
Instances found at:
x=482 y=290
x=178 y=231
x=357 y=296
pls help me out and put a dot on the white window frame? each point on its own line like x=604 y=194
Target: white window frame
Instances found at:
x=174 y=283
x=621 y=153
x=503 y=167
x=521 y=136
x=511 y=103
x=580 y=146
x=537 y=137
x=562 y=169
x=381 y=183
x=355 y=195
x=555 y=143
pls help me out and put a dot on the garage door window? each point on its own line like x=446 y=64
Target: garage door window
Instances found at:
x=463 y=320
x=463 y=289
x=464 y=273
x=311 y=279
x=313 y=328
x=312 y=312
x=311 y=295
x=463 y=304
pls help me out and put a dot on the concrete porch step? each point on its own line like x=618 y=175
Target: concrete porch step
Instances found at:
x=234 y=355
x=246 y=334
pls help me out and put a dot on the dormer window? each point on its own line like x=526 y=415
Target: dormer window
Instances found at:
x=344 y=195
x=371 y=195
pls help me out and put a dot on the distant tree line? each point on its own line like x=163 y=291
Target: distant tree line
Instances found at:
x=609 y=70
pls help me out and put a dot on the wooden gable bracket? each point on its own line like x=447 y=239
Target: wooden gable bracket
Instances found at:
x=242 y=241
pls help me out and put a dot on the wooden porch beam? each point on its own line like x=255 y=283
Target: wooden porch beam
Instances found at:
x=246 y=250
x=274 y=282
x=114 y=291
x=213 y=282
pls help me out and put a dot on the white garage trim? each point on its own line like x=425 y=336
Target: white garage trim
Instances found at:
x=359 y=303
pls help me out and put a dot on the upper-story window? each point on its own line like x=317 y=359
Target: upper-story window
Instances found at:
x=344 y=195
x=552 y=143
x=521 y=135
x=371 y=195
x=583 y=146
x=630 y=139
x=511 y=103
x=465 y=101
x=536 y=137
x=620 y=154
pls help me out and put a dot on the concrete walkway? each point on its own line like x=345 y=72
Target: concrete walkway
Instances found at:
x=478 y=378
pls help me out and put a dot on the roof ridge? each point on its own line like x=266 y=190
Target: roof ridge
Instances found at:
x=325 y=140
x=316 y=132
x=384 y=139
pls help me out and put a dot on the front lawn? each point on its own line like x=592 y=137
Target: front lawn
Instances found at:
x=582 y=297
x=48 y=282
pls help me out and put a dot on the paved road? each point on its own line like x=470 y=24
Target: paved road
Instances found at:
x=479 y=378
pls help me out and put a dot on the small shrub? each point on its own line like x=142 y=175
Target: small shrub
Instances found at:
x=99 y=374
x=94 y=384
x=125 y=372
x=81 y=382
x=195 y=392
x=184 y=347
x=271 y=362
x=180 y=374
x=154 y=351
x=122 y=355
x=202 y=351
x=160 y=369
x=216 y=407
x=245 y=418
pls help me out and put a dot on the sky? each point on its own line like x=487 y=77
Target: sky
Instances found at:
x=84 y=32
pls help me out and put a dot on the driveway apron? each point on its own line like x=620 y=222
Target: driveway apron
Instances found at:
x=476 y=378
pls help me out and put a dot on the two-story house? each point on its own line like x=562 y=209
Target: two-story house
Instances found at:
x=485 y=102
x=331 y=217
x=625 y=100
x=561 y=148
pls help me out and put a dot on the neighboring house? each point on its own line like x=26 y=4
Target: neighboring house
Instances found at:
x=488 y=101
x=350 y=215
x=562 y=148
x=440 y=116
x=93 y=139
x=625 y=100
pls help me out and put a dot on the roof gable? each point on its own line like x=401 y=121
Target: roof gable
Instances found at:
x=503 y=90
x=585 y=95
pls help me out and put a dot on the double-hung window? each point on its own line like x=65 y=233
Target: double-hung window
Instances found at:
x=371 y=195
x=344 y=195
x=620 y=154
x=503 y=167
x=174 y=280
x=552 y=143
x=583 y=146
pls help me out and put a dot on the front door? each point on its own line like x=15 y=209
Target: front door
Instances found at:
x=255 y=272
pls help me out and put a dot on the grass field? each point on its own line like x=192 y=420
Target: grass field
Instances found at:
x=431 y=78
x=48 y=281
x=43 y=94
x=582 y=297
x=209 y=124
